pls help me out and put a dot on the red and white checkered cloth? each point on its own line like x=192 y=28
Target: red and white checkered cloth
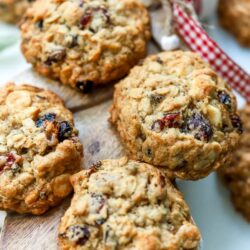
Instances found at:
x=199 y=41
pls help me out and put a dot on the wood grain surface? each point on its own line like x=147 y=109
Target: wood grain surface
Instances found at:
x=91 y=112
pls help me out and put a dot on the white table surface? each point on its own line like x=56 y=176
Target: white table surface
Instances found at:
x=221 y=227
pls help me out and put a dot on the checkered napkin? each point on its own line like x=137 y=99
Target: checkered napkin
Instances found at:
x=198 y=41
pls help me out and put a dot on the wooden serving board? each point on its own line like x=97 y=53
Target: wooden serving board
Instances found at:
x=91 y=112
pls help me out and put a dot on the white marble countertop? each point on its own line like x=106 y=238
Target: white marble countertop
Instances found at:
x=221 y=227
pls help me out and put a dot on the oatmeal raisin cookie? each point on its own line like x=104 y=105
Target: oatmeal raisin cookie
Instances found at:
x=174 y=111
x=124 y=204
x=85 y=42
x=39 y=149
x=237 y=175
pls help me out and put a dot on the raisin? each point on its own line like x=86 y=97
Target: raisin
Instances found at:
x=181 y=165
x=98 y=201
x=78 y=234
x=43 y=195
x=85 y=87
x=162 y=181
x=236 y=122
x=56 y=56
x=85 y=19
x=106 y=15
x=155 y=99
x=225 y=98
x=74 y=41
x=81 y=3
x=149 y=153
x=201 y=127
x=39 y=24
x=159 y=60
x=47 y=117
x=142 y=136
x=64 y=131
x=100 y=221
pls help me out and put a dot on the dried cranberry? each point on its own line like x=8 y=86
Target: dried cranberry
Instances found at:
x=201 y=127
x=236 y=122
x=78 y=234
x=47 y=117
x=85 y=87
x=10 y=159
x=64 y=130
x=158 y=125
x=56 y=56
x=85 y=19
x=225 y=98
x=170 y=120
x=39 y=24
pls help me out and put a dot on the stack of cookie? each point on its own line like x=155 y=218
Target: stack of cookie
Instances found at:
x=171 y=111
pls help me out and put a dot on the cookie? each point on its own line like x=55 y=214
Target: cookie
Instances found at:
x=39 y=149
x=234 y=16
x=237 y=175
x=11 y=11
x=85 y=42
x=174 y=111
x=125 y=204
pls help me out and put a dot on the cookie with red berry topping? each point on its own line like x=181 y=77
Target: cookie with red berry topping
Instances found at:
x=39 y=149
x=11 y=11
x=85 y=42
x=174 y=111
x=237 y=175
x=125 y=204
